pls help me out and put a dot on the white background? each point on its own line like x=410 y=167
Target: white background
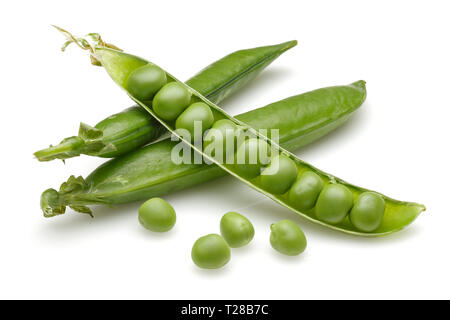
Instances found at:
x=397 y=143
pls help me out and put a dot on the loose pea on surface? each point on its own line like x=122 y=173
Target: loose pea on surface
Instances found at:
x=279 y=175
x=287 y=238
x=157 y=215
x=367 y=213
x=144 y=82
x=198 y=111
x=304 y=192
x=236 y=229
x=218 y=137
x=250 y=157
x=333 y=204
x=211 y=252
x=171 y=100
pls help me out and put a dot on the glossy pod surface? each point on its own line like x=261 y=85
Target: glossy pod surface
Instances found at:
x=132 y=128
x=119 y=65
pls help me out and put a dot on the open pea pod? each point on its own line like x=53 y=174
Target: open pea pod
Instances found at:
x=395 y=214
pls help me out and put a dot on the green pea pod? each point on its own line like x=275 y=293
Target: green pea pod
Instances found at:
x=132 y=128
x=119 y=65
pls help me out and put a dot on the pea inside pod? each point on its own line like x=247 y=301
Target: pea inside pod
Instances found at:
x=250 y=157
x=279 y=175
x=305 y=191
x=171 y=100
x=196 y=119
x=333 y=204
x=221 y=140
x=145 y=81
x=367 y=213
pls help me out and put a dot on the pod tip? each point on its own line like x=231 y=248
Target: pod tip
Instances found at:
x=289 y=44
x=359 y=84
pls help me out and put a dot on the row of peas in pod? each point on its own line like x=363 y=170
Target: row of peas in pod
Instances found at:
x=275 y=173
x=330 y=202
x=171 y=101
x=213 y=250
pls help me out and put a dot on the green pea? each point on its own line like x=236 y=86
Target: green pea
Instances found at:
x=171 y=100
x=250 y=157
x=279 y=175
x=236 y=229
x=287 y=238
x=218 y=137
x=367 y=213
x=198 y=111
x=304 y=192
x=157 y=215
x=145 y=81
x=333 y=204
x=210 y=252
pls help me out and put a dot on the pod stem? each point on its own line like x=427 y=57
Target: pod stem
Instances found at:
x=89 y=141
x=67 y=148
x=72 y=193
x=88 y=42
x=51 y=203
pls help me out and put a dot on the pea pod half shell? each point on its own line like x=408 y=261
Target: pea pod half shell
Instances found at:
x=132 y=128
x=397 y=214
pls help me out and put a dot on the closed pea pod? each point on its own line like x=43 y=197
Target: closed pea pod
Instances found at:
x=236 y=229
x=305 y=191
x=333 y=204
x=367 y=212
x=171 y=100
x=199 y=113
x=210 y=252
x=279 y=175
